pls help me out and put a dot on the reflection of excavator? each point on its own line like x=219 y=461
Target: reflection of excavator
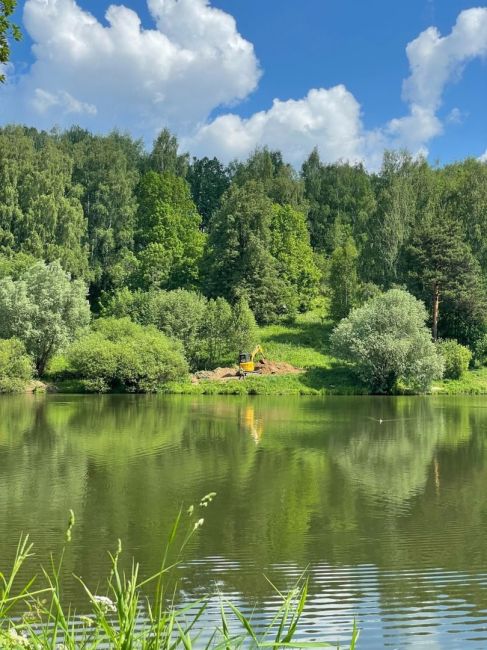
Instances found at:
x=246 y=363
x=254 y=426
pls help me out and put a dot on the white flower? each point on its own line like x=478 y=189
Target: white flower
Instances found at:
x=105 y=603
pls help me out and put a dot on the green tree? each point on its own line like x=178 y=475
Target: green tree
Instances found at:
x=339 y=196
x=407 y=194
x=387 y=342
x=291 y=248
x=169 y=243
x=122 y=355
x=15 y=366
x=44 y=309
x=440 y=269
x=456 y=358
x=40 y=211
x=105 y=168
x=7 y=28
x=165 y=158
x=239 y=262
x=343 y=280
x=208 y=180
x=278 y=179
x=464 y=199
x=243 y=327
x=216 y=331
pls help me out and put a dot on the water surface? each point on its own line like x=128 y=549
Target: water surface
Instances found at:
x=382 y=500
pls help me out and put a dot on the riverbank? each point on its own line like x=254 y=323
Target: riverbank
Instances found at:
x=304 y=345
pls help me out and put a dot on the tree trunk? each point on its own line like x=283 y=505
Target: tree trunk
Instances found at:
x=436 y=311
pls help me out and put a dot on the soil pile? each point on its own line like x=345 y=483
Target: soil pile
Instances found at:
x=262 y=367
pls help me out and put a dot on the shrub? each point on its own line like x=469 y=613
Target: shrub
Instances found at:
x=480 y=351
x=15 y=366
x=456 y=358
x=43 y=309
x=387 y=341
x=117 y=354
x=244 y=327
x=210 y=330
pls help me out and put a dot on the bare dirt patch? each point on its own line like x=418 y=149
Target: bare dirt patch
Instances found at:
x=262 y=367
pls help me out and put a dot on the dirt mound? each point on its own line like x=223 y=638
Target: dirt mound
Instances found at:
x=266 y=367
x=218 y=373
x=262 y=367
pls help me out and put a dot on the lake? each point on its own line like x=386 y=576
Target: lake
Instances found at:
x=383 y=501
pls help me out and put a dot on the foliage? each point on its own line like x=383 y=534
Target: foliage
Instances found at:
x=117 y=354
x=169 y=242
x=7 y=28
x=208 y=180
x=456 y=358
x=343 y=280
x=387 y=341
x=40 y=211
x=442 y=269
x=239 y=261
x=15 y=366
x=277 y=179
x=165 y=158
x=292 y=251
x=340 y=196
x=105 y=168
x=243 y=327
x=44 y=309
x=211 y=331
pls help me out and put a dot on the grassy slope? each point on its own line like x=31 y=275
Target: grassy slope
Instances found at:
x=303 y=344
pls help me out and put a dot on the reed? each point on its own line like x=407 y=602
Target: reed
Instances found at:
x=124 y=617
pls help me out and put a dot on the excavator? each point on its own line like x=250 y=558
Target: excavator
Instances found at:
x=246 y=361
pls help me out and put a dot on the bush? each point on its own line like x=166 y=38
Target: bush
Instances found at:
x=388 y=342
x=210 y=330
x=44 y=309
x=456 y=358
x=117 y=354
x=15 y=366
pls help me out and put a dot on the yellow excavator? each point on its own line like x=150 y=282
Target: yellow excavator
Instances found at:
x=246 y=361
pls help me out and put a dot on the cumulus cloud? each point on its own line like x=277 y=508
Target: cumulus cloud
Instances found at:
x=483 y=157
x=126 y=75
x=330 y=119
x=194 y=61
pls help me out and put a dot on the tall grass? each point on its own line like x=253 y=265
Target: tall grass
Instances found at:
x=124 y=617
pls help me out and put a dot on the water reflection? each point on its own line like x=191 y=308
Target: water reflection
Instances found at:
x=383 y=500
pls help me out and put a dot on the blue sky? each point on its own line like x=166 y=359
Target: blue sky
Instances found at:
x=353 y=53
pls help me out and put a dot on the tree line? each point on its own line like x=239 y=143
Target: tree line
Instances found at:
x=129 y=223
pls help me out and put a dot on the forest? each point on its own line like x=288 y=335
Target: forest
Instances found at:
x=153 y=246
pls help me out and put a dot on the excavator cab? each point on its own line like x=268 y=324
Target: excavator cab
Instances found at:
x=246 y=361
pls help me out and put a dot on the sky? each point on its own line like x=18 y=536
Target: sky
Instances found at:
x=349 y=77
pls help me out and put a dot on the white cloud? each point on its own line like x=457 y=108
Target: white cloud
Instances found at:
x=131 y=77
x=327 y=118
x=483 y=157
x=194 y=60
x=44 y=100
x=330 y=119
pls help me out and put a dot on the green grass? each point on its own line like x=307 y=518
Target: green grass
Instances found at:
x=304 y=344
x=473 y=382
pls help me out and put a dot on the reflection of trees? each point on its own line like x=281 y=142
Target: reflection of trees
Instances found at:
x=325 y=483
x=391 y=458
